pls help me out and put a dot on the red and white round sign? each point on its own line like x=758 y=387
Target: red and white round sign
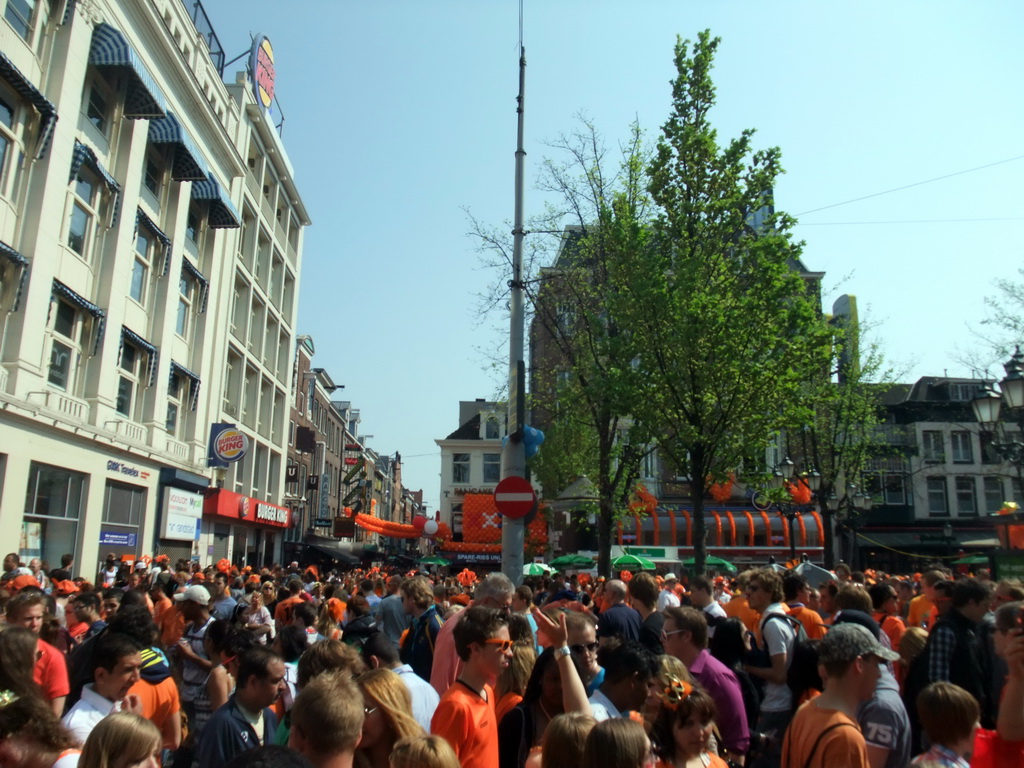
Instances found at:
x=514 y=497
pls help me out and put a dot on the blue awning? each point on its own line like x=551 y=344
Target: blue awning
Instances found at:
x=180 y=370
x=141 y=219
x=24 y=88
x=192 y=270
x=188 y=163
x=127 y=334
x=222 y=212
x=21 y=264
x=99 y=315
x=110 y=49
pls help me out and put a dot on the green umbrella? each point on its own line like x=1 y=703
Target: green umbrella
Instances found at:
x=536 y=569
x=972 y=560
x=433 y=560
x=712 y=562
x=633 y=563
x=572 y=561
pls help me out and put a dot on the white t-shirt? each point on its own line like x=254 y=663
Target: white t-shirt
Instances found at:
x=779 y=637
x=667 y=599
x=716 y=610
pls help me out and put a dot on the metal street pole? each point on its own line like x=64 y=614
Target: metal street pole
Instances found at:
x=513 y=454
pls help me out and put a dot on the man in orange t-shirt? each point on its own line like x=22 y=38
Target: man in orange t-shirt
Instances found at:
x=283 y=610
x=738 y=608
x=465 y=715
x=26 y=609
x=795 y=588
x=922 y=608
x=824 y=732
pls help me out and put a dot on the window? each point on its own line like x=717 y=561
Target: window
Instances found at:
x=97 y=106
x=937 y=497
x=128 y=380
x=994 y=497
x=124 y=507
x=962 y=453
x=989 y=455
x=460 y=467
x=53 y=505
x=153 y=176
x=966 y=503
x=492 y=467
x=84 y=210
x=934 y=452
x=192 y=226
x=174 y=390
x=19 y=15
x=140 y=269
x=491 y=429
x=8 y=142
x=66 y=346
x=895 y=489
x=187 y=287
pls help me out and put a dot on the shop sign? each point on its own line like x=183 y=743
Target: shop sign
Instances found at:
x=325 y=495
x=123 y=469
x=226 y=504
x=291 y=474
x=1008 y=565
x=323 y=522
x=261 y=65
x=182 y=512
x=646 y=551
x=268 y=513
x=465 y=491
x=226 y=444
x=118 y=539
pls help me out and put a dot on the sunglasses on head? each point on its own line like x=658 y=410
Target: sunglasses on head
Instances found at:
x=506 y=645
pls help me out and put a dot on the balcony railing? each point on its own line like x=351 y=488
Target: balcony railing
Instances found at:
x=205 y=29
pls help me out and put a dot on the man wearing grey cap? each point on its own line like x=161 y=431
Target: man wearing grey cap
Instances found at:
x=193 y=602
x=824 y=732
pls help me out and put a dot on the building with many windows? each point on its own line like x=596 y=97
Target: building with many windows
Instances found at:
x=150 y=251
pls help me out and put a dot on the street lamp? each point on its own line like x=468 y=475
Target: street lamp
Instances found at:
x=782 y=475
x=858 y=503
x=988 y=405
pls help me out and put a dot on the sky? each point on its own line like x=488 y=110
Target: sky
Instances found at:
x=400 y=117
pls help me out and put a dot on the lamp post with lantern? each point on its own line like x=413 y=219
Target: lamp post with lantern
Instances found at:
x=1007 y=401
x=858 y=504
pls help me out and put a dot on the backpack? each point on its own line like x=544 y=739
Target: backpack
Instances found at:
x=802 y=669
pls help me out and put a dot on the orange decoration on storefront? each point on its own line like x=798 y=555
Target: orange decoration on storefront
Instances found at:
x=722 y=492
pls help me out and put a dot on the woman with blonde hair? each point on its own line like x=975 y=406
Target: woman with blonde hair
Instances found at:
x=617 y=743
x=564 y=742
x=122 y=740
x=513 y=679
x=424 y=752
x=31 y=735
x=388 y=716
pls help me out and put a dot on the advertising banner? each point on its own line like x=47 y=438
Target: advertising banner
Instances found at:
x=181 y=514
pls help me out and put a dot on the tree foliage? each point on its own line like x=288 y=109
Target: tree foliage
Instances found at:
x=725 y=330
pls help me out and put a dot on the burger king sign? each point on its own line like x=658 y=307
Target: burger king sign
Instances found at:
x=227 y=444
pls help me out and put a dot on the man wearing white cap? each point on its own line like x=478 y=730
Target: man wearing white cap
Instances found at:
x=668 y=597
x=193 y=602
x=824 y=731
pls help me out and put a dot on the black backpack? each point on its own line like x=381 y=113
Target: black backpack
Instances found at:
x=802 y=670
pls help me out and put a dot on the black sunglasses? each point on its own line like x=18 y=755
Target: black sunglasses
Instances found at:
x=583 y=647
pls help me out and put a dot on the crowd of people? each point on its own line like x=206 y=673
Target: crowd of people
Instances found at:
x=153 y=664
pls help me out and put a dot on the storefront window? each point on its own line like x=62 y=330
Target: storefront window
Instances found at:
x=53 y=505
x=123 y=509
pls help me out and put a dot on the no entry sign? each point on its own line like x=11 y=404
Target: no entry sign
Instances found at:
x=514 y=497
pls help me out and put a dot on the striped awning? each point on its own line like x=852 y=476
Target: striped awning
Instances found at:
x=190 y=269
x=12 y=75
x=83 y=155
x=180 y=370
x=188 y=163
x=130 y=336
x=99 y=315
x=21 y=264
x=222 y=212
x=110 y=49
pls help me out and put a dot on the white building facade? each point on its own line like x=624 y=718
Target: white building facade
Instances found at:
x=150 y=249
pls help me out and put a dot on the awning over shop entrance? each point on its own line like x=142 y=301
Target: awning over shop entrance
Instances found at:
x=335 y=552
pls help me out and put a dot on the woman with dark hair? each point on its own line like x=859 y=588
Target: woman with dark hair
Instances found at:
x=290 y=644
x=17 y=661
x=617 y=743
x=31 y=736
x=681 y=731
x=730 y=646
x=359 y=623
x=523 y=727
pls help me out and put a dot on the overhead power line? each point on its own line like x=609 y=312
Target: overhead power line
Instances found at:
x=915 y=184
x=906 y=221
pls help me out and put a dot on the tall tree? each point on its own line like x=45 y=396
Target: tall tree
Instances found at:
x=724 y=328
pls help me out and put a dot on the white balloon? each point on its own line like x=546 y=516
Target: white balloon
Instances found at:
x=430 y=528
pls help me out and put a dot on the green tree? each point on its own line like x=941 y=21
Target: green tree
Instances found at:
x=724 y=328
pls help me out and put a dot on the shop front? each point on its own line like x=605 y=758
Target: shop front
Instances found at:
x=241 y=529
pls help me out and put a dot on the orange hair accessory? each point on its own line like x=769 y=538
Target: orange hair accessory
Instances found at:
x=675 y=693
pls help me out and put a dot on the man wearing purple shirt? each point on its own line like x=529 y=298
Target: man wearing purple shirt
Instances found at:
x=685 y=636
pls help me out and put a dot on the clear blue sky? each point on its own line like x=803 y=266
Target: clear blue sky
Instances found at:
x=400 y=113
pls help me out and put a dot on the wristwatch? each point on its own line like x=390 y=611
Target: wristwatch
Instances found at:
x=563 y=651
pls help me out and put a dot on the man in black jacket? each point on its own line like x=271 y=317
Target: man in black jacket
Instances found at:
x=246 y=720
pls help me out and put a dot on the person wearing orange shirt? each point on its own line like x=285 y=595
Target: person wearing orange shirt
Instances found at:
x=283 y=610
x=27 y=609
x=885 y=603
x=465 y=715
x=738 y=608
x=824 y=731
x=922 y=607
x=795 y=588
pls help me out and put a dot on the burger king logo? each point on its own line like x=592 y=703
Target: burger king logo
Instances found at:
x=263 y=72
x=230 y=445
